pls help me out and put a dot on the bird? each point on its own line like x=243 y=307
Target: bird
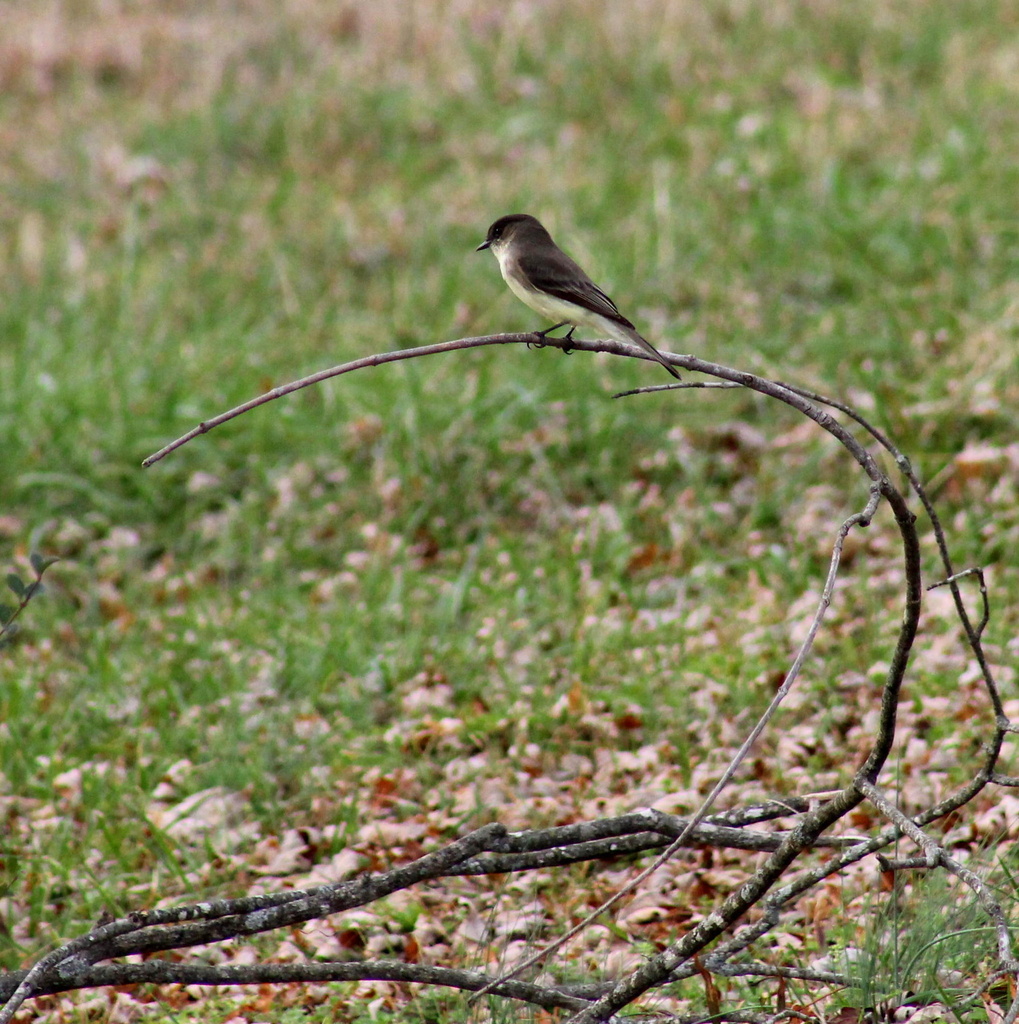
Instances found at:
x=544 y=278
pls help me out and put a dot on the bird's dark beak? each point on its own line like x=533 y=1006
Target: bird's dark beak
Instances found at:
x=484 y=245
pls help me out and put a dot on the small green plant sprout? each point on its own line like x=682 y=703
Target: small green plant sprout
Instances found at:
x=24 y=592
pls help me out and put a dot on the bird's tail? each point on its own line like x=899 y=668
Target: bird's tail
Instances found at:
x=631 y=335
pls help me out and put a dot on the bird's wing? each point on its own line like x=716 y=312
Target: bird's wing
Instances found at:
x=565 y=280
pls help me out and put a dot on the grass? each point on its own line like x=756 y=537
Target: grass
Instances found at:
x=821 y=194
x=923 y=943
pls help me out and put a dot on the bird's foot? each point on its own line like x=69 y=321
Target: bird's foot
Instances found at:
x=545 y=333
x=568 y=337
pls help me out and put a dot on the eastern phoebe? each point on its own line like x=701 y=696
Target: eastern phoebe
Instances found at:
x=543 y=277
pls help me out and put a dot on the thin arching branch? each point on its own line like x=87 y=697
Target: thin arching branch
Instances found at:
x=381 y=358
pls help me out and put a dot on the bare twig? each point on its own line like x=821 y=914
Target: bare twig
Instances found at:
x=904 y=464
x=381 y=358
x=979 y=573
x=160 y=930
x=164 y=972
x=653 y=389
x=937 y=856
